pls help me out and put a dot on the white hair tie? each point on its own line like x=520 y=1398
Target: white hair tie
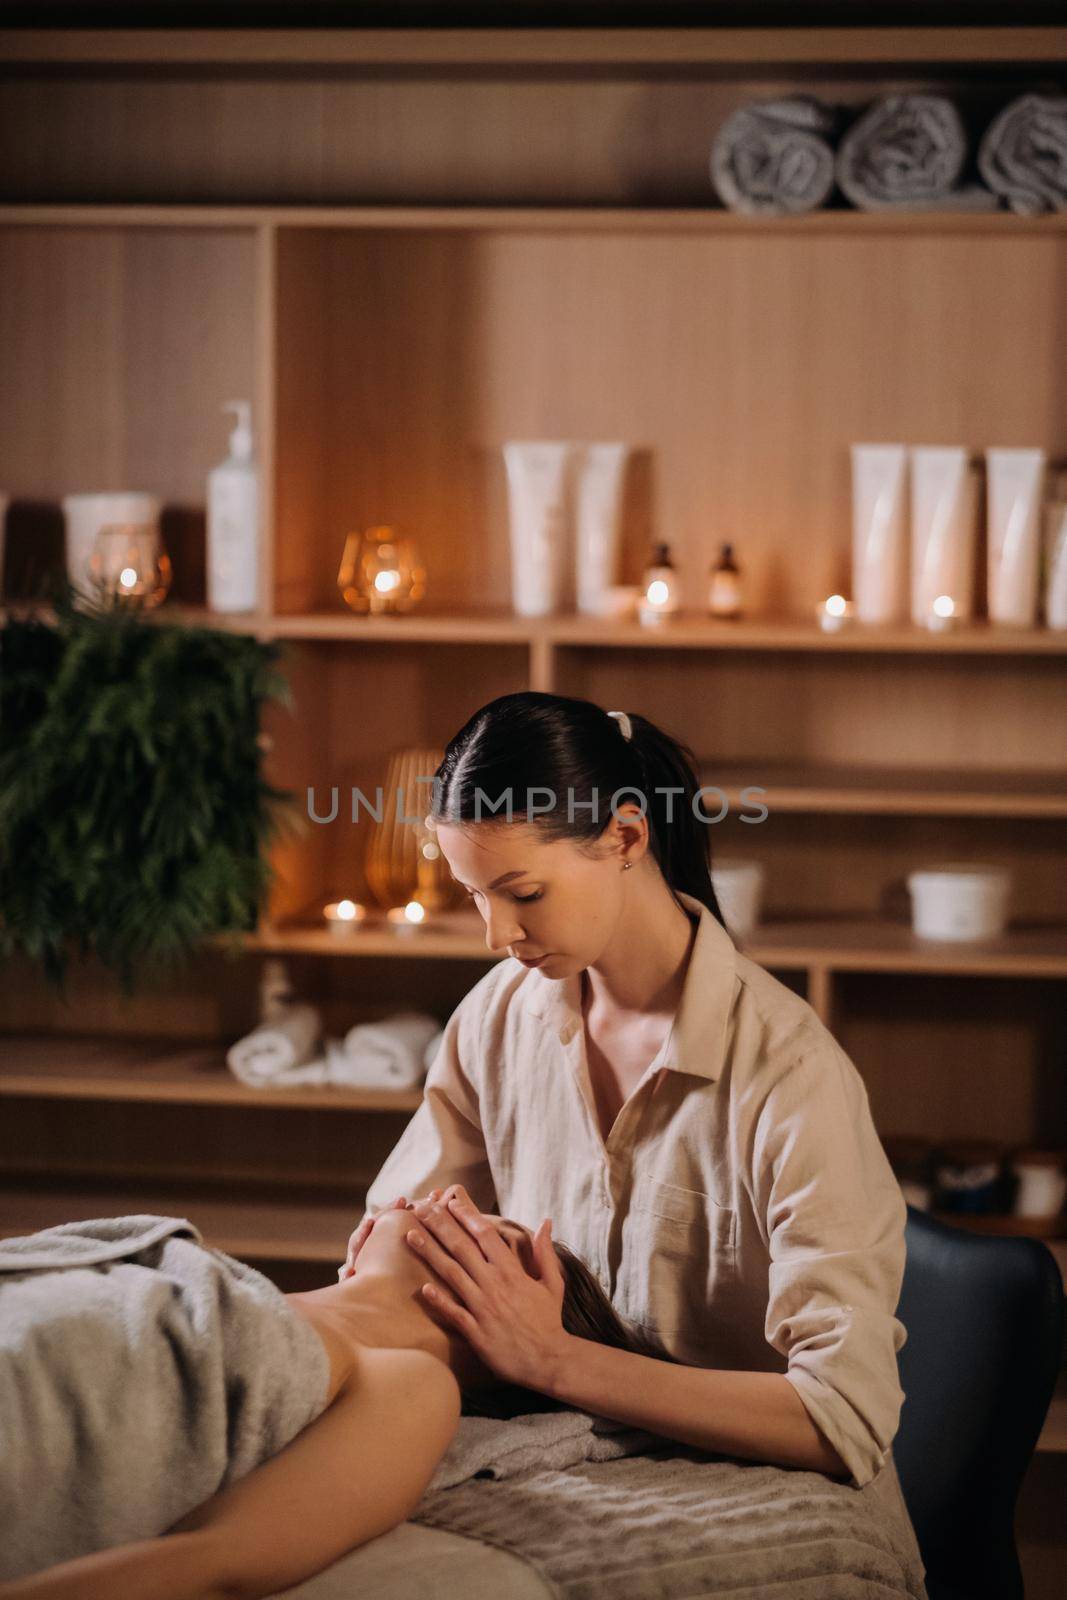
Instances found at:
x=624 y=723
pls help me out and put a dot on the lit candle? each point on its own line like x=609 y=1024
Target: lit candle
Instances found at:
x=344 y=916
x=407 y=919
x=659 y=597
x=834 y=613
x=942 y=612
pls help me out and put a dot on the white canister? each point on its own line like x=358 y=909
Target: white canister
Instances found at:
x=5 y=501
x=86 y=514
x=959 y=900
x=738 y=888
x=1042 y=1182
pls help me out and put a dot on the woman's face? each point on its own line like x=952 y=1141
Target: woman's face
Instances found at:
x=549 y=904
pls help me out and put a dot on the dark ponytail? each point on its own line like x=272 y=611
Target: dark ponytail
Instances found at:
x=527 y=742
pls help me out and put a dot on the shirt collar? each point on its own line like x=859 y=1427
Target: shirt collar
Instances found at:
x=697 y=1041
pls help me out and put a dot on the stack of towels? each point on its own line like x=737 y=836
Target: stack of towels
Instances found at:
x=285 y=1051
x=904 y=152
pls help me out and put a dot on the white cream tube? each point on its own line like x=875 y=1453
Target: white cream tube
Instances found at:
x=944 y=503
x=1056 y=564
x=539 y=512
x=599 y=471
x=1015 y=482
x=879 y=532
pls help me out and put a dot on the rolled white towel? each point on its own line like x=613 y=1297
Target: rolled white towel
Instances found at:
x=393 y=1053
x=279 y=1052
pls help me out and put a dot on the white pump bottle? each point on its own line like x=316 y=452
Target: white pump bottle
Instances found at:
x=233 y=521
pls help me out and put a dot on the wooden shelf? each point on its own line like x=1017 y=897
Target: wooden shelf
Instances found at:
x=693 y=630
x=688 y=631
x=841 y=944
x=892 y=791
x=422 y=627
x=443 y=48
x=869 y=945
x=455 y=935
x=67 y=1067
x=249 y=1225
x=514 y=218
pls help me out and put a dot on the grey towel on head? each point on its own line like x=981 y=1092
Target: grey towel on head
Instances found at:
x=1023 y=154
x=668 y=1522
x=774 y=157
x=140 y=1371
x=908 y=152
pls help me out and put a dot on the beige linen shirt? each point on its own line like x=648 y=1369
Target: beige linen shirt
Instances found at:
x=742 y=1208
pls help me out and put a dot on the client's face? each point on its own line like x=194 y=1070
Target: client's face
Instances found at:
x=386 y=1252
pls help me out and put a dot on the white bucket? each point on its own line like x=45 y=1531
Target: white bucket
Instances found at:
x=959 y=900
x=86 y=514
x=738 y=888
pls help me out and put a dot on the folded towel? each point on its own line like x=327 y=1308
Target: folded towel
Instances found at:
x=774 y=156
x=277 y=1052
x=1023 y=154
x=140 y=1371
x=907 y=152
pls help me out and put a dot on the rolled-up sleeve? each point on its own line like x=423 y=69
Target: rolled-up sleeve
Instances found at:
x=443 y=1143
x=835 y=1216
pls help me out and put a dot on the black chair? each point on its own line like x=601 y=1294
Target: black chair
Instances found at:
x=985 y=1323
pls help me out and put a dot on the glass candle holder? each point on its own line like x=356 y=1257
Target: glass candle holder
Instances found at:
x=128 y=562
x=380 y=572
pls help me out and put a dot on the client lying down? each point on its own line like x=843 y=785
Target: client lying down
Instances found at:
x=176 y=1427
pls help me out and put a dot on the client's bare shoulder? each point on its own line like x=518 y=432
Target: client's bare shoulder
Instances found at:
x=408 y=1403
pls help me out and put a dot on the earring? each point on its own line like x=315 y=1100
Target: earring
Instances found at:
x=627 y=865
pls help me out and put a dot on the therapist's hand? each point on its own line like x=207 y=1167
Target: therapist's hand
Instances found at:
x=511 y=1319
x=362 y=1234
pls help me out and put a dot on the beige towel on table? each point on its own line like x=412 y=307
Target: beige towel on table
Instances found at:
x=601 y=1510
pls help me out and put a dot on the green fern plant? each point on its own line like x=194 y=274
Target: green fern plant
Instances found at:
x=135 y=818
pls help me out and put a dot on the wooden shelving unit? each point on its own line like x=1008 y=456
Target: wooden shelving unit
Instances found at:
x=451 y=298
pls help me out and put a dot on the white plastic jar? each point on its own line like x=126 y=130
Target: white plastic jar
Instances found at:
x=738 y=888
x=959 y=900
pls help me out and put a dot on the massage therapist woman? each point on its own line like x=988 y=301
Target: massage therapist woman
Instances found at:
x=627 y=1079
